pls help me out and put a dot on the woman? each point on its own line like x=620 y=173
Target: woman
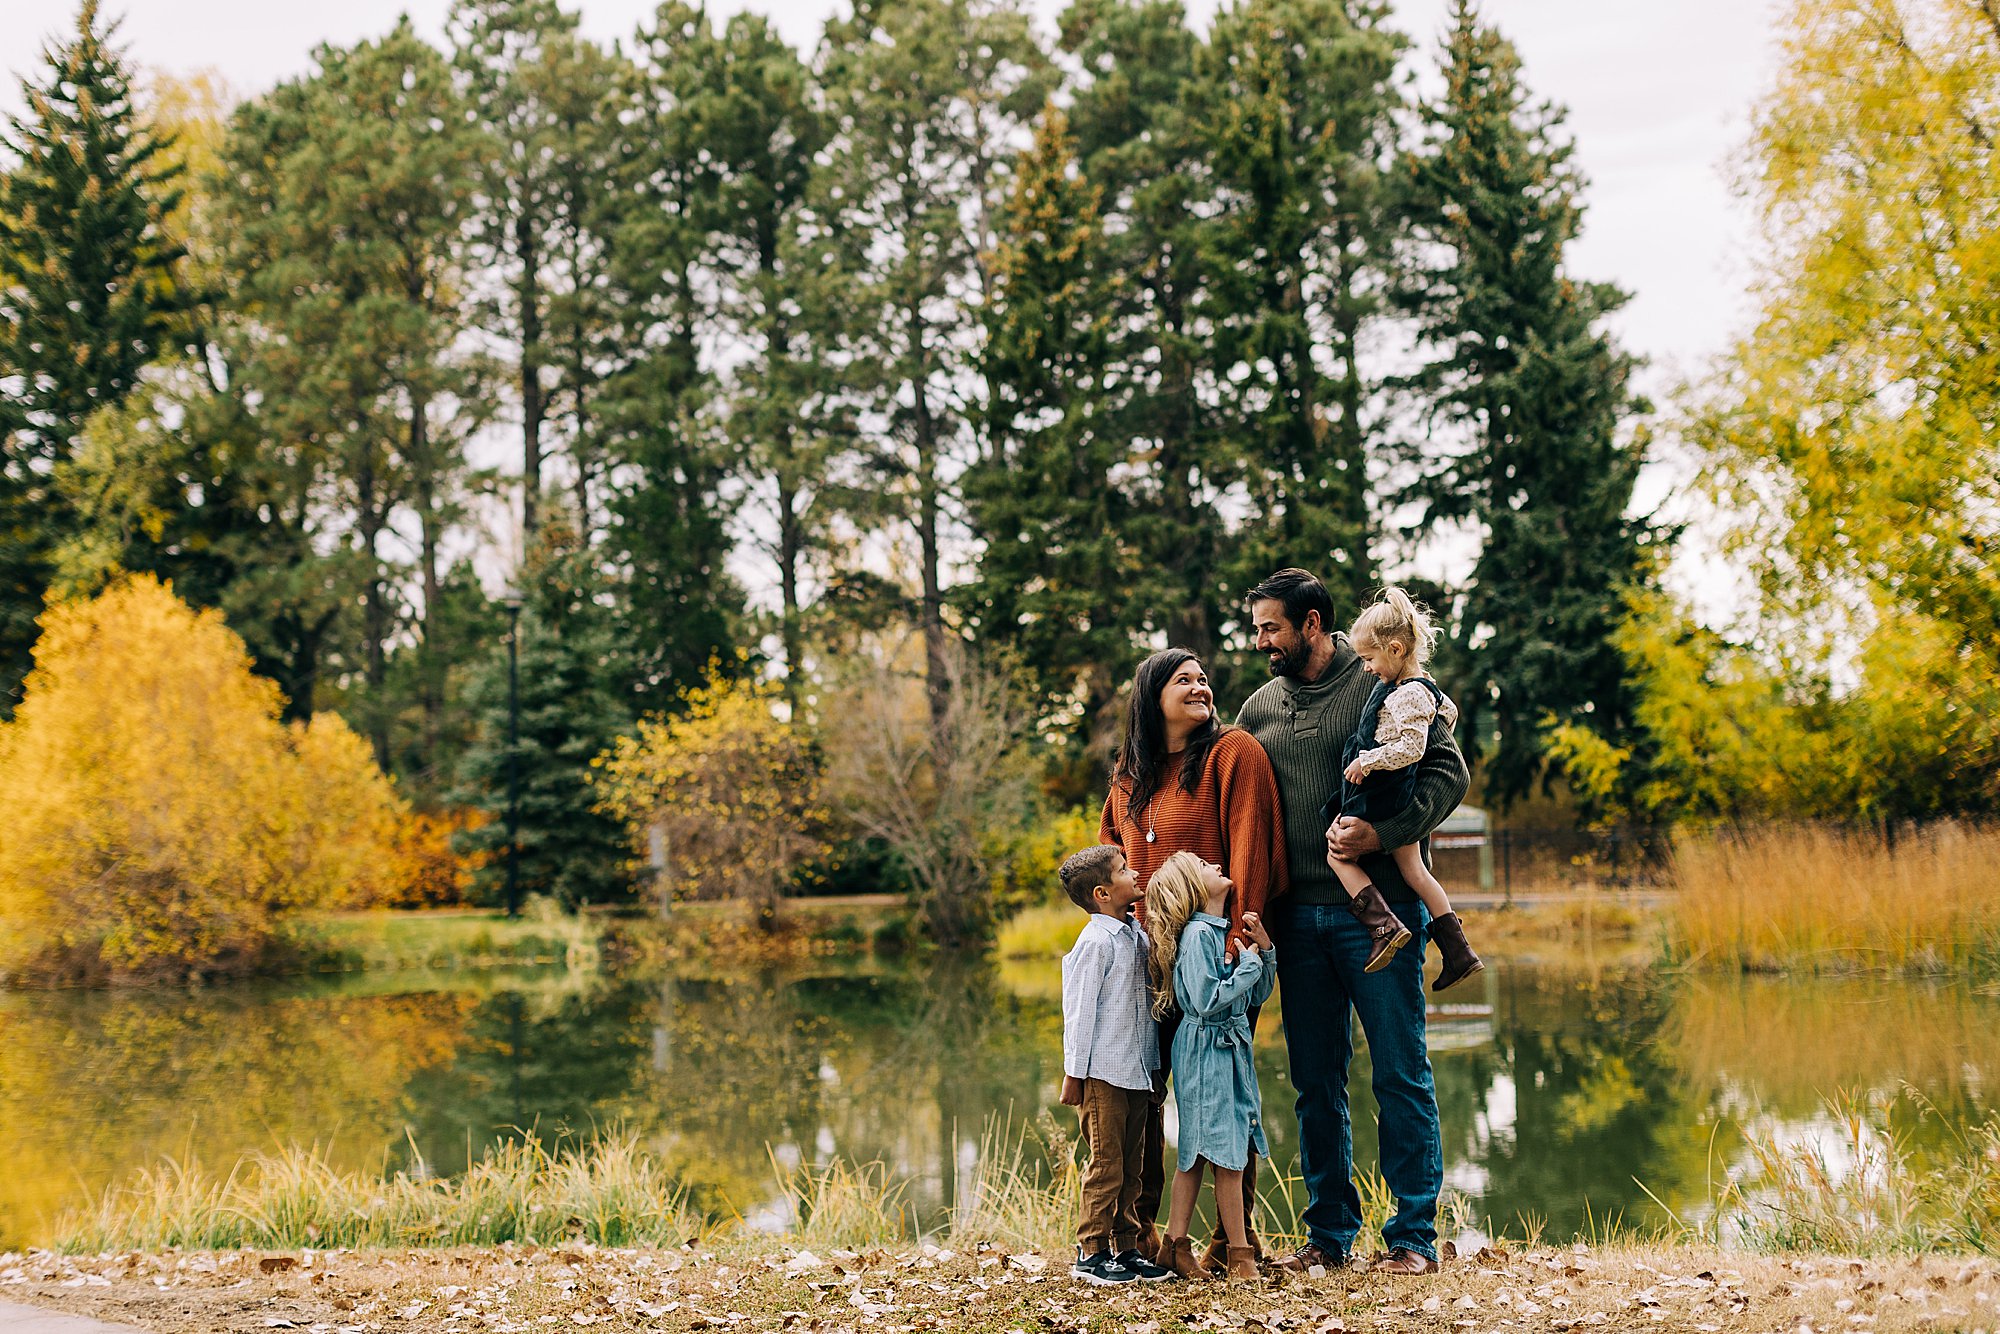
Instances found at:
x=1184 y=782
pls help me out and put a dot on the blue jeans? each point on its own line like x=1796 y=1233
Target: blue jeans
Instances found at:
x=1321 y=950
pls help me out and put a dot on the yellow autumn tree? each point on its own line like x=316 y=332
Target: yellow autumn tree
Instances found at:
x=161 y=819
x=1852 y=444
x=730 y=785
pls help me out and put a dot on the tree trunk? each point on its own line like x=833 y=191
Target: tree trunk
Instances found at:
x=790 y=551
x=534 y=403
x=427 y=527
x=930 y=614
x=374 y=606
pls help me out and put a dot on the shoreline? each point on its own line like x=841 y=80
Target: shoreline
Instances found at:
x=516 y=1289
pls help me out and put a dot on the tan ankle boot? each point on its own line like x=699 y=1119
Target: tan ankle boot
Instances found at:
x=1386 y=932
x=1216 y=1257
x=1177 y=1254
x=1242 y=1265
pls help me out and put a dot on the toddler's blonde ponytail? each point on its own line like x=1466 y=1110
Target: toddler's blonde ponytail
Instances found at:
x=1396 y=615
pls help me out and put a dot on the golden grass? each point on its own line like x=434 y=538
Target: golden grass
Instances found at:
x=1043 y=932
x=1819 y=900
x=611 y=1192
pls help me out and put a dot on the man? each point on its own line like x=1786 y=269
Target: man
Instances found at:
x=1302 y=717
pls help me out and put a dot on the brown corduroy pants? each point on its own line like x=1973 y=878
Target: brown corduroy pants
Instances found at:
x=1114 y=1127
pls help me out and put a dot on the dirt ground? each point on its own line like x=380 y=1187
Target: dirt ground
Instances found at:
x=524 y=1289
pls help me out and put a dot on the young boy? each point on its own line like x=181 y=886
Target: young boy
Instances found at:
x=1111 y=1048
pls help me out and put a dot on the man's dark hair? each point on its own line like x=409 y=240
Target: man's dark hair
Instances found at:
x=1300 y=592
x=1084 y=873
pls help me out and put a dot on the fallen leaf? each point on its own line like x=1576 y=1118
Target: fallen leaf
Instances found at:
x=277 y=1264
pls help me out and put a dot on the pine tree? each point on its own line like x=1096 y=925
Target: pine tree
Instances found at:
x=1053 y=580
x=1141 y=142
x=351 y=196
x=503 y=51
x=570 y=710
x=927 y=95
x=88 y=296
x=666 y=458
x=747 y=98
x=1522 y=372
x=1298 y=107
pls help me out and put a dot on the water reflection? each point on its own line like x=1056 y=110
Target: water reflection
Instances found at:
x=1560 y=1092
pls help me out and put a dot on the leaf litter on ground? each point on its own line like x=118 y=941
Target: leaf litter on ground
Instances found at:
x=990 y=1289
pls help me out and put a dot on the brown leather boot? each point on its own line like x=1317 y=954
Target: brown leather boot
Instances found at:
x=1216 y=1257
x=1177 y=1254
x=1386 y=932
x=1448 y=934
x=1148 y=1244
x=1242 y=1265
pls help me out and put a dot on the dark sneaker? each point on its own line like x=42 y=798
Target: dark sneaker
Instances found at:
x=1100 y=1269
x=1144 y=1269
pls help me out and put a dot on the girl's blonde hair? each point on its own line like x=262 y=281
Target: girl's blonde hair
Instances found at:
x=1173 y=896
x=1394 y=615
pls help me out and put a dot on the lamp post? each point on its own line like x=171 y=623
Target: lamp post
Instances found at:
x=513 y=605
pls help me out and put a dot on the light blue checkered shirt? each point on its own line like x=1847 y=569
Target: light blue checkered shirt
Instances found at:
x=1108 y=1028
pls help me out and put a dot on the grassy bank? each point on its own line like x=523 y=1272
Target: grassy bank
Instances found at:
x=1807 y=899
x=450 y=938
x=1852 y=1183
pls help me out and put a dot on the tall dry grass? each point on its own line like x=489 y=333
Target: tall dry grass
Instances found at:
x=1813 y=899
x=612 y=1192
x=1852 y=1184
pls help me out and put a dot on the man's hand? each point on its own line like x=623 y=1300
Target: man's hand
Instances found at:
x=1160 y=1086
x=1072 y=1091
x=1350 y=839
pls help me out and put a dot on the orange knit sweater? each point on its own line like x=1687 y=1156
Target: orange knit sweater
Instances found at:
x=1231 y=818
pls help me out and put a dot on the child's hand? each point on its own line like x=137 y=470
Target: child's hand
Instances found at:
x=1253 y=926
x=1355 y=772
x=1072 y=1091
x=1249 y=953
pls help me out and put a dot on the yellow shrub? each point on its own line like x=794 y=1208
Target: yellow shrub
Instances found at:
x=731 y=786
x=160 y=816
x=1027 y=863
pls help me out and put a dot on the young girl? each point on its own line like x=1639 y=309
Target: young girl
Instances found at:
x=1215 y=1084
x=1394 y=638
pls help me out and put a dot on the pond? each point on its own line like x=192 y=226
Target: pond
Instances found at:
x=1562 y=1087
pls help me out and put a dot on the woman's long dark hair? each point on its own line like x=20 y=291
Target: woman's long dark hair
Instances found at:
x=1144 y=753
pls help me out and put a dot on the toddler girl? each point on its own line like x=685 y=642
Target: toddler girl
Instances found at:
x=1394 y=638
x=1215 y=1083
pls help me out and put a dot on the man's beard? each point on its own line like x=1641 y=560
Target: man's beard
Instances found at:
x=1291 y=662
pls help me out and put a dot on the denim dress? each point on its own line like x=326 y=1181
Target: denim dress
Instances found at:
x=1215 y=1082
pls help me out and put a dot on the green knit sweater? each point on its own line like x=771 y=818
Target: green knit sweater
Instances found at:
x=1303 y=727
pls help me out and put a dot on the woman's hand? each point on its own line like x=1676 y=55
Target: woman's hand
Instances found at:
x=1354 y=772
x=1253 y=926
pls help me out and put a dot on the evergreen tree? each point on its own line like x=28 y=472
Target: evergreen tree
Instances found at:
x=1522 y=373
x=351 y=195
x=1141 y=144
x=89 y=296
x=503 y=51
x=748 y=99
x=569 y=712
x=1298 y=110
x=667 y=459
x=1054 y=577
x=927 y=95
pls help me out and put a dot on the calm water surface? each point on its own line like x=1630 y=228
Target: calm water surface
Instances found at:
x=1562 y=1087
